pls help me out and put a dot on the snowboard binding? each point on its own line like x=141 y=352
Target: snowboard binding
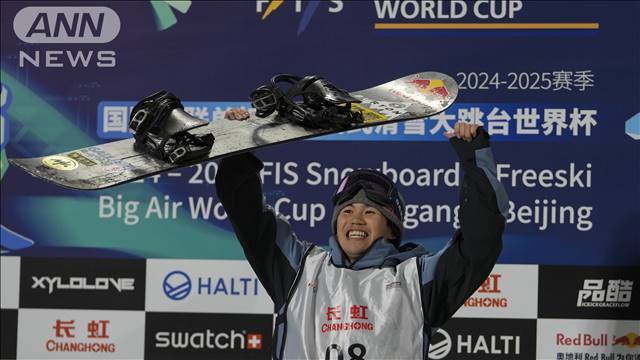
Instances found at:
x=322 y=104
x=161 y=128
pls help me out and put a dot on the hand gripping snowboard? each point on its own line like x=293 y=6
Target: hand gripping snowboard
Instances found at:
x=278 y=119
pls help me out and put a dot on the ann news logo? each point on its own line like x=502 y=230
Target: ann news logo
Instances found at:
x=67 y=25
x=617 y=293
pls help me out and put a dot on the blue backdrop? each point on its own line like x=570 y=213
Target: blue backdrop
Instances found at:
x=559 y=102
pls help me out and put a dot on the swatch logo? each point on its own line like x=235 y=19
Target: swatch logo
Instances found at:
x=176 y=285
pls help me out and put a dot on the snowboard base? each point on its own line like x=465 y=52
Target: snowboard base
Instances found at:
x=101 y=166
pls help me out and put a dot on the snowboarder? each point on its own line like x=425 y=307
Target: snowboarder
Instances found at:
x=369 y=296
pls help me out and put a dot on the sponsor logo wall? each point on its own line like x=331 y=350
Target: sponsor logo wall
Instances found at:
x=71 y=308
x=166 y=309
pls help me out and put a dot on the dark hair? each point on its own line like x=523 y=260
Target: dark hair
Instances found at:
x=396 y=233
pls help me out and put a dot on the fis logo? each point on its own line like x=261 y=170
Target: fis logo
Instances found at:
x=431 y=86
x=165 y=18
x=335 y=6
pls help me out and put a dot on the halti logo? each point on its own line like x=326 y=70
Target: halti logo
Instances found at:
x=64 y=25
x=176 y=285
x=440 y=345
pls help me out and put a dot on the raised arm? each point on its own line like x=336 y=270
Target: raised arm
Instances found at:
x=452 y=275
x=271 y=247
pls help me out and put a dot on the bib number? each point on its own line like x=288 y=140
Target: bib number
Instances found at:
x=355 y=351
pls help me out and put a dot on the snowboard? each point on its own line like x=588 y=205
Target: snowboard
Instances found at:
x=414 y=96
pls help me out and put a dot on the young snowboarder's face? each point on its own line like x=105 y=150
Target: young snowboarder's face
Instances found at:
x=358 y=226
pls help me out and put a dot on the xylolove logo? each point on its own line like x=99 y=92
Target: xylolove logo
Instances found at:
x=81 y=283
x=60 y=24
x=69 y=283
x=176 y=285
x=312 y=5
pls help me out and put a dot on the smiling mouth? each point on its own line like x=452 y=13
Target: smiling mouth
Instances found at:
x=356 y=234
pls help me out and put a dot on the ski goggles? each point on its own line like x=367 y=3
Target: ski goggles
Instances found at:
x=376 y=186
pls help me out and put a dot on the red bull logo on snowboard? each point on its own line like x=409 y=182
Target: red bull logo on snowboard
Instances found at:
x=431 y=86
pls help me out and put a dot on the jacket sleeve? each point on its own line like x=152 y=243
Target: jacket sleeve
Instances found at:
x=452 y=275
x=271 y=247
